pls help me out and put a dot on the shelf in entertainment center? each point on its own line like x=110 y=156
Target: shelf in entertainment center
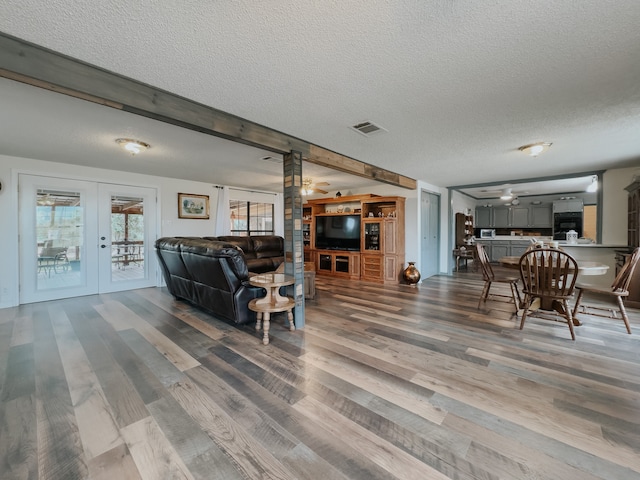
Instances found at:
x=336 y=214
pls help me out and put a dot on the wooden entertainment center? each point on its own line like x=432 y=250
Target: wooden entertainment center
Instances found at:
x=379 y=256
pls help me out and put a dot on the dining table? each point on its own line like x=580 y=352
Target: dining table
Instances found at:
x=584 y=268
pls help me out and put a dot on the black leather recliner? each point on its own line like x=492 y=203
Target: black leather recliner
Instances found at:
x=209 y=273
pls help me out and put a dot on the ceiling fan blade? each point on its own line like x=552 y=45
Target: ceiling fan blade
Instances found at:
x=322 y=184
x=317 y=190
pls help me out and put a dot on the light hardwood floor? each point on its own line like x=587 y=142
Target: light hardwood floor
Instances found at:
x=383 y=382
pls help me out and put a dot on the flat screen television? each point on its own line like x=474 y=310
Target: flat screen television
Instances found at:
x=339 y=232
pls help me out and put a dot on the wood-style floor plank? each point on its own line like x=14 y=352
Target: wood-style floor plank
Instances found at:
x=384 y=382
x=98 y=430
x=152 y=453
x=60 y=452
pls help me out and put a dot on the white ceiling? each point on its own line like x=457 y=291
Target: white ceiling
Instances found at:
x=577 y=184
x=458 y=85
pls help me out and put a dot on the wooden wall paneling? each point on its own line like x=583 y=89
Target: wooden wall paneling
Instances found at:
x=293 y=243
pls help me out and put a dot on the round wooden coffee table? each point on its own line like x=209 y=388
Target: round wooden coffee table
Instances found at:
x=272 y=302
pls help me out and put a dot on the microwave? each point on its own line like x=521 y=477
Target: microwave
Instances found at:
x=487 y=233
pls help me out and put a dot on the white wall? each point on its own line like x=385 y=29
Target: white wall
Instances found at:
x=615 y=204
x=168 y=189
x=461 y=202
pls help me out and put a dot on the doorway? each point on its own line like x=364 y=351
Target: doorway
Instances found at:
x=430 y=233
x=81 y=238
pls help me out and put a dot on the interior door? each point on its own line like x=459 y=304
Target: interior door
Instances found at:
x=430 y=226
x=81 y=238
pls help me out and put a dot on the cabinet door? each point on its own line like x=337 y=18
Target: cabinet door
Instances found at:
x=483 y=217
x=371 y=231
x=354 y=265
x=391 y=269
x=520 y=217
x=501 y=217
x=541 y=216
x=499 y=250
x=518 y=248
x=389 y=242
x=325 y=263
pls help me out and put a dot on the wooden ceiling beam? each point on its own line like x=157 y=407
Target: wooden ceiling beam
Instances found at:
x=37 y=66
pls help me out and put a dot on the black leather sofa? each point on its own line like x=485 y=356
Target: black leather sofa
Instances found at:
x=263 y=253
x=213 y=274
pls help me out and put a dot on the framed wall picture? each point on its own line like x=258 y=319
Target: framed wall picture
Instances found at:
x=193 y=206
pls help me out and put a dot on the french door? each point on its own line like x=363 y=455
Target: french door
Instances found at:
x=81 y=238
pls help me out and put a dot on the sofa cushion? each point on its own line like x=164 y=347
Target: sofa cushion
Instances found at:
x=244 y=243
x=214 y=249
x=268 y=246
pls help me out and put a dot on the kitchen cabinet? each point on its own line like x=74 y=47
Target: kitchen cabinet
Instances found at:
x=573 y=205
x=534 y=216
x=484 y=217
x=500 y=249
x=541 y=216
x=519 y=247
x=519 y=217
x=497 y=249
x=501 y=217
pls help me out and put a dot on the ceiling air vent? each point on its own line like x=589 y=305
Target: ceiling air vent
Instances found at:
x=368 y=128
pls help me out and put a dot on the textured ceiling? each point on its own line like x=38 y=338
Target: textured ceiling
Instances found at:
x=458 y=85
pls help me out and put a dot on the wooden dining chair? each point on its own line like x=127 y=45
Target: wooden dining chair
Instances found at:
x=490 y=277
x=618 y=292
x=548 y=279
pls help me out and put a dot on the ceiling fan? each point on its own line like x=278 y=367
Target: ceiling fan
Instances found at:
x=309 y=187
x=506 y=193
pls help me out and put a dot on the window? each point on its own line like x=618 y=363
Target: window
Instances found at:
x=251 y=218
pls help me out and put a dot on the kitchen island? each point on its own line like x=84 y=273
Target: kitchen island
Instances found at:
x=509 y=245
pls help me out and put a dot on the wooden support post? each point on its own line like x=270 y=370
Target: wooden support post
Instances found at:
x=293 y=246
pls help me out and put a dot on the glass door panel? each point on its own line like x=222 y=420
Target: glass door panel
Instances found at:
x=54 y=226
x=127 y=232
x=60 y=238
x=127 y=238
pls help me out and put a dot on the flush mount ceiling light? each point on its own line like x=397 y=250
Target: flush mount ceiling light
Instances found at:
x=535 y=149
x=593 y=186
x=506 y=194
x=132 y=146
